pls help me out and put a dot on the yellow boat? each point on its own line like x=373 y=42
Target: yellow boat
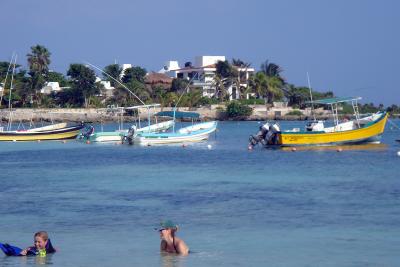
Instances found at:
x=70 y=132
x=360 y=130
x=368 y=133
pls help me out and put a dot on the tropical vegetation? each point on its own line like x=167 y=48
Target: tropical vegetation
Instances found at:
x=81 y=87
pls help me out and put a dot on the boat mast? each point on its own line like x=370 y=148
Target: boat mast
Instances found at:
x=312 y=103
x=5 y=80
x=9 y=98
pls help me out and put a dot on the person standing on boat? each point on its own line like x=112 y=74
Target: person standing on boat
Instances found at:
x=170 y=243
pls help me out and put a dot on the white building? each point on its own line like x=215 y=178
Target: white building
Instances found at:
x=124 y=67
x=204 y=70
x=107 y=90
x=51 y=87
x=170 y=68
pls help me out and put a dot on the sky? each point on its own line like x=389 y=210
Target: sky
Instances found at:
x=350 y=47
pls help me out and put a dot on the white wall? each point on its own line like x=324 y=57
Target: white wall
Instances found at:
x=201 y=61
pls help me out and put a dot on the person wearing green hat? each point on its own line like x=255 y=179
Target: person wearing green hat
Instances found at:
x=170 y=243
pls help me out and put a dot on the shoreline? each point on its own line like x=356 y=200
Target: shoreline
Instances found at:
x=92 y=115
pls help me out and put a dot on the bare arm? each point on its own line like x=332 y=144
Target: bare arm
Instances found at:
x=163 y=245
x=25 y=251
x=182 y=247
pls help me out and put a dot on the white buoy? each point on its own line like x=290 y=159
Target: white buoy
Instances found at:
x=250 y=147
x=209 y=146
x=398 y=153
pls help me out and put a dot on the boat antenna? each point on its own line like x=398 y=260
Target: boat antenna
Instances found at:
x=312 y=103
x=123 y=85
x=5 y=80
x=9 y=98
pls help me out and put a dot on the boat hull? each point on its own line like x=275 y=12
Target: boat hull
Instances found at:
x=368 y=134
x=57 y=134
x=118 y=136
x=107 y=137
x=181 y=136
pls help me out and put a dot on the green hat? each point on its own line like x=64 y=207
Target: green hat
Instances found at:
x=167 y=224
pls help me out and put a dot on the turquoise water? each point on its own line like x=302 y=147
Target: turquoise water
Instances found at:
x=100 y=202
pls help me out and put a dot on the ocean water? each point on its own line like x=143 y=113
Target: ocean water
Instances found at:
x=100 y=202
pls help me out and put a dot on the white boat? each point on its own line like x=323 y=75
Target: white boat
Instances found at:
x=120 y=134
x=184 y=135
x=193 y=133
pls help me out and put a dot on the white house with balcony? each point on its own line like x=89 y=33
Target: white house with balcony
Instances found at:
x=203 y=72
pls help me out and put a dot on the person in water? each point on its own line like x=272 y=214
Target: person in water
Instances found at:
x=169 y=241
x=41 y=245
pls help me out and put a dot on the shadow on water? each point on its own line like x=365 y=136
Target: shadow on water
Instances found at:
x=360 y=147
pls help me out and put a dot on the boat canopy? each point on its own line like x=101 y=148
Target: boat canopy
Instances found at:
x=178 y=114
x=334 y=100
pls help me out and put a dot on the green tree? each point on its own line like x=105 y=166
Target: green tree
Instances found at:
x=221 y=91
x=115 y=71
x=134 y=74
x=259 y=84
x=38 y=62
x=139 y=89
x=83 y=83
x=23 y=89
x=179 y=85
x=271 y=69
x=236 y=109
x=53 y=76
x=241 y=77
x=226 y=76
x=274 y=89
x=192 y=98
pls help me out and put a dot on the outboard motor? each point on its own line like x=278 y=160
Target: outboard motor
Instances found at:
x=267 y=135
x=89 y=130
x=130 y=136
x=260 y=136
x=272 y=136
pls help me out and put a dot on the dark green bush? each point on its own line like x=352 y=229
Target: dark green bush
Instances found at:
x=236 y=109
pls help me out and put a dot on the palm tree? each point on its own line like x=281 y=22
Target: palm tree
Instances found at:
x=259 y=84
x=115 y=71
x=38 y=62
x=220 y=89
x=271 y=69
x=274 y=88
x=241 y=77
x=39 y=59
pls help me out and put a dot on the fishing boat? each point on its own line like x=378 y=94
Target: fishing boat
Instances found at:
x=194 y=133
x=42 y=133
x=57 y=131
x=120 y=134
x=359 y=130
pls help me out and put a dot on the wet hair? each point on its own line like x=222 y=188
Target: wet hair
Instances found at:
x=42 y=234
x=174 y=230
